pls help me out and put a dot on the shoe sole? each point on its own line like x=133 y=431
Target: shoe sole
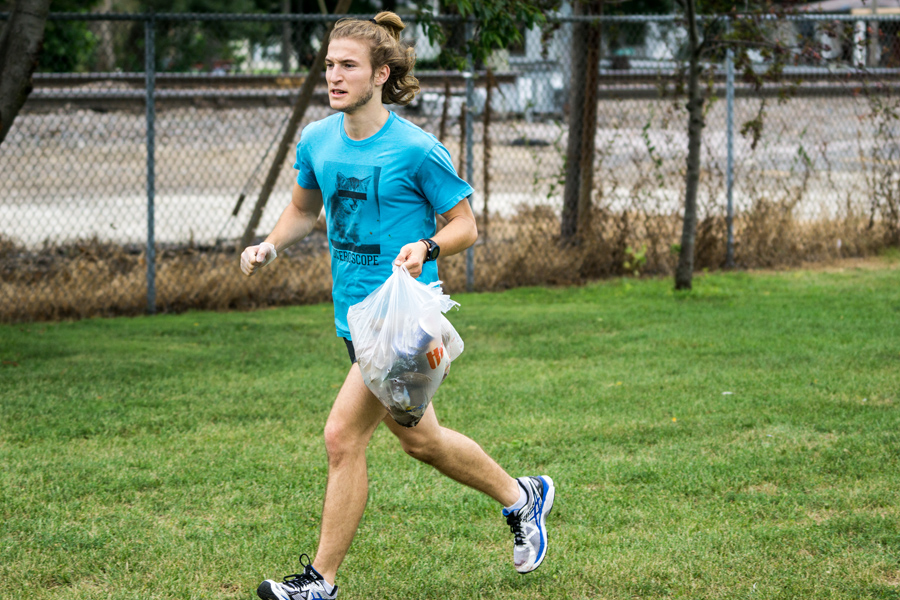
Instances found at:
x=265 y=592
x=549 y=496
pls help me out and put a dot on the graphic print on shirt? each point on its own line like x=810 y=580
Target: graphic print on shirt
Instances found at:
x=354 y=214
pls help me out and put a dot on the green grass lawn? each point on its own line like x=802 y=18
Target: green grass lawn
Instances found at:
x=738 y=441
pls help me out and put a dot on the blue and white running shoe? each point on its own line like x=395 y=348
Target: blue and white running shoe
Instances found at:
x=528 y=524
x=308 y=585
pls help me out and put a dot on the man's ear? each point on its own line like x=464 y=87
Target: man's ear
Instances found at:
x=382 y=74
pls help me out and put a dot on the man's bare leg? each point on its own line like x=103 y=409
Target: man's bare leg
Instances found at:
x=352 y=421
x=527 y=501
x=456 y=456
x=354 y=417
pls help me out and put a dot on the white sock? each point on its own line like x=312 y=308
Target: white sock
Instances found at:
x=523 y=498
x=329 y=588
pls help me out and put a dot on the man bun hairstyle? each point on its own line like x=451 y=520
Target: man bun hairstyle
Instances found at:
x=385 y=48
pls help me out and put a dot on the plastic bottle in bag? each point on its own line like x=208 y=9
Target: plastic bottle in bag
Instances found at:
x=399 y=334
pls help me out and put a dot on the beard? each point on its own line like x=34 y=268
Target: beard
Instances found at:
x=362 y=100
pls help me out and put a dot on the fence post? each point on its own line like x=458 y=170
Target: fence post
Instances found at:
x=729 y=169
x=470 y=134
x=150 y=75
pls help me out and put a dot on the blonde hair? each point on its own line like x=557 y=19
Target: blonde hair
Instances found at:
x=385 y=48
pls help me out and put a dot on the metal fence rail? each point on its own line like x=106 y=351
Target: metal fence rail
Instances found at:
x=126 y=186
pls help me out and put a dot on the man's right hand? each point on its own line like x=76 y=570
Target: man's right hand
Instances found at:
x=254 y=258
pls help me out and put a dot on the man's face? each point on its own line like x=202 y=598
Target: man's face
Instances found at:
x=348 y=71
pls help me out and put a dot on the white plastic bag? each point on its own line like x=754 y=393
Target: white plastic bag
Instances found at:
x=404 y=345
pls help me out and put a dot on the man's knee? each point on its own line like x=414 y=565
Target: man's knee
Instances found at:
x=341 y=441
x=423 y=448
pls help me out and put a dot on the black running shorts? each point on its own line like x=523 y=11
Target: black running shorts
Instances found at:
x=350 y=350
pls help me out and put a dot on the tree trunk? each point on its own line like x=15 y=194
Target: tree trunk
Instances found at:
x=589 y=122
x=685 y=271
x=582 y=123
x=286 y=38
x=461 y=168
x=486 y=155
x=445 y=109
x=20 y=46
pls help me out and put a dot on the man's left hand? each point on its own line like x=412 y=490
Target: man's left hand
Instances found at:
x=412 y=256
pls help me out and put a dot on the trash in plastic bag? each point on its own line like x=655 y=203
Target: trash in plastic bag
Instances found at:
x=404 y=344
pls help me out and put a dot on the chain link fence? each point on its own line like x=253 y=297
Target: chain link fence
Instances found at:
x=129 y=177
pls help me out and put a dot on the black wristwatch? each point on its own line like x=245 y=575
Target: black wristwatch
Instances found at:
x=433 y=249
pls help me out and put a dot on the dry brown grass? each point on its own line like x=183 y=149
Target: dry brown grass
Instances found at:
x=95 y=279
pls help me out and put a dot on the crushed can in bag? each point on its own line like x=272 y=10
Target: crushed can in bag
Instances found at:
x=404 y=344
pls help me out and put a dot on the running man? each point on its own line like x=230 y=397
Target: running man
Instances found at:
x=381 y=180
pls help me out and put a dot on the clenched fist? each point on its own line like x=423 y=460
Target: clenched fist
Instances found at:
x=254 y=258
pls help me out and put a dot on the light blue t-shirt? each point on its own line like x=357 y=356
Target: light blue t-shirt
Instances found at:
x=380 y=194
